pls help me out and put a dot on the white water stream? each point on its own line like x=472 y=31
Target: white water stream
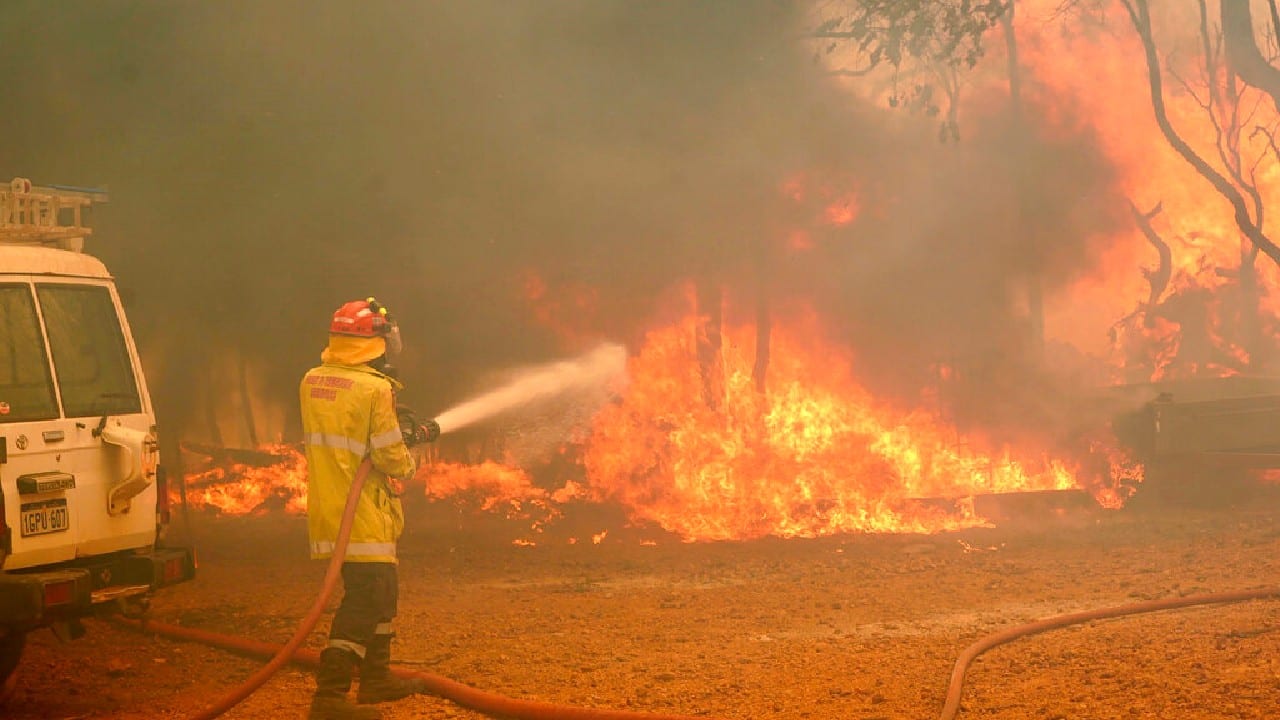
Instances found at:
x=595 y=369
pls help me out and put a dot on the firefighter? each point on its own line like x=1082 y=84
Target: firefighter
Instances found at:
x=349 y=414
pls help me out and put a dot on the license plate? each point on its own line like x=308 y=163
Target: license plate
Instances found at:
x=44 y=517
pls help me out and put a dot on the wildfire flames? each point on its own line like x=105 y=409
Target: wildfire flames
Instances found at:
x=816 y=453
x=273 y=478
x=1186 y=309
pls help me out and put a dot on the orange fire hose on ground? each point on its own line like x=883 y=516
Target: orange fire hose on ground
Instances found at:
x=286 y=652
x=479 y=700
x=504 y=707
x=952 y=706
x=464 y=695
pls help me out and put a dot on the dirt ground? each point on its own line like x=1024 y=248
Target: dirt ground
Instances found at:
x=861 y=627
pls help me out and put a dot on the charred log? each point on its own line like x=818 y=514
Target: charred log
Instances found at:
x=218 y=455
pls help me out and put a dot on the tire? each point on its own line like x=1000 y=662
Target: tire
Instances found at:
x=11 y=643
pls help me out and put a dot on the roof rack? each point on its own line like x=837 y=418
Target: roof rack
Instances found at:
x=52 y=215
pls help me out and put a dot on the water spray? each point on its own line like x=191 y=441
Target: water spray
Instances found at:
x=598 y=368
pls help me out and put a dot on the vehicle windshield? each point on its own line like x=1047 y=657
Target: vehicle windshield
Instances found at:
x=89 y=353
x=26 y=392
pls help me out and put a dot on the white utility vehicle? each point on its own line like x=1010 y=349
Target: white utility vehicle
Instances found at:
x=83 y=499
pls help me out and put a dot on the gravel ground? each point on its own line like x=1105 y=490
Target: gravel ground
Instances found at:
x=861 y=627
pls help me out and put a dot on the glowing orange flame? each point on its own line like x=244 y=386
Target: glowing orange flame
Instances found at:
x=842 y=211
x=238 y=488
x=820 y=205
x=816 y=455
x=1197 y=324
x=490 y=486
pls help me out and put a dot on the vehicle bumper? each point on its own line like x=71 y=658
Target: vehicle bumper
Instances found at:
x=32 y=599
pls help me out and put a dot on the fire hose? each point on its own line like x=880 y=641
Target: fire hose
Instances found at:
x=501 y=706
x=284 y=653
x=479 y=700
x=952 y=706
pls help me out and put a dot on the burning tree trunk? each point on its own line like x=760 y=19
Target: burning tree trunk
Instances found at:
x=764 y=330
x=246 y=400
x=1225 y=111
x=1250 y=322
x=218 y=455
x=1242 y=49
x=210 y=406
x=764 y=324
x=708 y=341
x=174 y=405
x=1035 y=293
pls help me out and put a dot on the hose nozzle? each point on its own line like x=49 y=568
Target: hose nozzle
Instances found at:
x=416 y=432
x=432 y=429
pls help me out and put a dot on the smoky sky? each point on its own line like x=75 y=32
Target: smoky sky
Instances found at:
x=270 y=160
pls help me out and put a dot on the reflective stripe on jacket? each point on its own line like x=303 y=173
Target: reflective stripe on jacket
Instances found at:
x=348 y=413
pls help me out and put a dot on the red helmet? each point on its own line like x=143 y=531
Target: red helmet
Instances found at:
x=361 y=318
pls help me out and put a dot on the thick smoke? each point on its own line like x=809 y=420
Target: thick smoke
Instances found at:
x=270 y=160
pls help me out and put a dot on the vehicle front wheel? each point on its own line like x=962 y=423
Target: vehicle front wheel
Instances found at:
x=11 y=643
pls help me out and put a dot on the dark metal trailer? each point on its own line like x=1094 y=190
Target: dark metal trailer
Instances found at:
x=1193 y=436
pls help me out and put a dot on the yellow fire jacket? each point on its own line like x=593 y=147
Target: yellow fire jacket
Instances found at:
x=348 y=413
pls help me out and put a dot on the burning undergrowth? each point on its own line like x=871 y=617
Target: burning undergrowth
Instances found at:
x=713 y=456
x=270 y=478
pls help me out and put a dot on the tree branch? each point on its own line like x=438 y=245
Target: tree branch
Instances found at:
x=1140 y=16
x=1242 y=50
x=1275 y=22
x=1160 y=276
x=851 y=73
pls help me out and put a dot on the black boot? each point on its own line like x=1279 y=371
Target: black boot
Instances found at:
x=377 y=684
x=333 y=681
